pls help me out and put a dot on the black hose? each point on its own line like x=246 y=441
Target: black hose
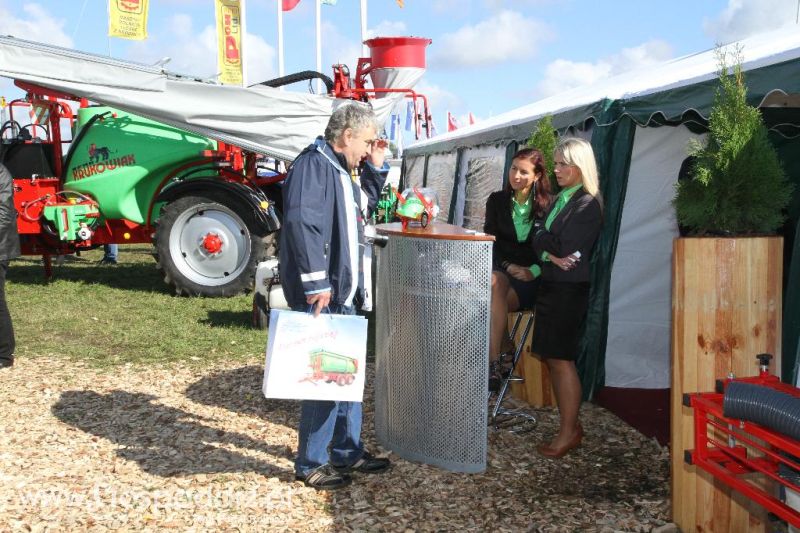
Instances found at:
x=763 y=405
x=299 y=76
x=9 y=124
x=76 y=141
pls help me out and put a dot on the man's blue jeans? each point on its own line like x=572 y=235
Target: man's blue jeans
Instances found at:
x=110 y=252
x=328 y=424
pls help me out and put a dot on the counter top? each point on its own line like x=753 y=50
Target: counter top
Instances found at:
x=435 y=230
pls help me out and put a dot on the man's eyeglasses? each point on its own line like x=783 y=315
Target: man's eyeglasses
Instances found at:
x=371 y=142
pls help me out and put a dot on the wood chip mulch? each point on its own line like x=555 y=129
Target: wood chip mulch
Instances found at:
x=189 y=449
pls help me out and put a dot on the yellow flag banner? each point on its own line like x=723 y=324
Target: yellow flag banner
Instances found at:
x=229 y=41
x=127 y=19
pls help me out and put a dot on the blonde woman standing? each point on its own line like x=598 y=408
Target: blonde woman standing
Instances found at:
x=565 y=245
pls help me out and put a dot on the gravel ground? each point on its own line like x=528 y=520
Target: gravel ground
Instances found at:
x=192 y=449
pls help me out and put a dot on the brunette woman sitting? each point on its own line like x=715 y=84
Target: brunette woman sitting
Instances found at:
x=510 y=216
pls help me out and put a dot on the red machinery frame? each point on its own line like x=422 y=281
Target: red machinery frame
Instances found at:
x=731 y=462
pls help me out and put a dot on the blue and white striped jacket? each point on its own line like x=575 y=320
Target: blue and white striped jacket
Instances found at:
x=322 y=233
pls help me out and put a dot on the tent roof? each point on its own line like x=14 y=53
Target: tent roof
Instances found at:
x=669 y=89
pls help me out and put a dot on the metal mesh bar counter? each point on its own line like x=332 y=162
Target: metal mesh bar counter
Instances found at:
x=433 y=295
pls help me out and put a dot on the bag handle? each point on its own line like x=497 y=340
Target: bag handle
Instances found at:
x=310 y=310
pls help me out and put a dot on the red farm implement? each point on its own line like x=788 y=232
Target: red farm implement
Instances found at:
x=746 y=435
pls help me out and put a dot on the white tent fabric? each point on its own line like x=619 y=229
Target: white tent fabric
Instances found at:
x=261 y=119
x=640 y=295
x=760 y=50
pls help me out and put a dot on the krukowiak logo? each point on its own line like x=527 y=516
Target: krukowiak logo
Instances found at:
x=100 y=160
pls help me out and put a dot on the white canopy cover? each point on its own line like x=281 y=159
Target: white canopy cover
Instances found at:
x=259 y=118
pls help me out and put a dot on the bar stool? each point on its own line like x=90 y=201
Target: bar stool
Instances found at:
x=514 y=420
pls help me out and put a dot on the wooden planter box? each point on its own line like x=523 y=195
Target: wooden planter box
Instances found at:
x=726 y=308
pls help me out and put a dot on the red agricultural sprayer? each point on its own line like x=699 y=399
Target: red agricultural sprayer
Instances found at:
x=120 y=152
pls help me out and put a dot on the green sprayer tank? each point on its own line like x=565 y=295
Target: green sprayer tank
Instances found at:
x=333 y=362
x=120 y=159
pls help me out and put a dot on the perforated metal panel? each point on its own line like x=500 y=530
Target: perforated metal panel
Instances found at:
x=432 y=332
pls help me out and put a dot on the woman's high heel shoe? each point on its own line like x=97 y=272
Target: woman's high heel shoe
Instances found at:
x=561 y=451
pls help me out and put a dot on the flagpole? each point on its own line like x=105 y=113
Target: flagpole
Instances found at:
x=319 y=44
x=399 y=142
x=280 y=40
x=364 y=51
x=242 y=43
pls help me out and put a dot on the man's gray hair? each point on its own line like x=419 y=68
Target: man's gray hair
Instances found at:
x=355 y=116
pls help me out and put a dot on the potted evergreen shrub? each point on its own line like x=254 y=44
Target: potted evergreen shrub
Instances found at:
x=545 y=139
x=737 y=184
x=726 y=280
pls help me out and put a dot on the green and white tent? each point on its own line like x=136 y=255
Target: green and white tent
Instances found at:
x=640 y=124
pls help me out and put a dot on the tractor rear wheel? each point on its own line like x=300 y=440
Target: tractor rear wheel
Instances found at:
x=210 y=246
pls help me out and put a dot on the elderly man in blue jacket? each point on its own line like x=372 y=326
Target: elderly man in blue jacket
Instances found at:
x=325 y=203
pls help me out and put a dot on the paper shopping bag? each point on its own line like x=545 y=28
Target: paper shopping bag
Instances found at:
x=315 y=358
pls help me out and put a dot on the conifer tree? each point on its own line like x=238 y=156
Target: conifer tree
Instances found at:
x=544 y=138
x=737 y=185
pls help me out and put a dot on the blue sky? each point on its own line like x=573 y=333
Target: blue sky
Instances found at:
x=487 y=56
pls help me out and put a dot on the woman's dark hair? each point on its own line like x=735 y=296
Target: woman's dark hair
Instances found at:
x=543 y=197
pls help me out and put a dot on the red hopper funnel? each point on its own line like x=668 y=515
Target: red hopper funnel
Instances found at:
x=396 y=62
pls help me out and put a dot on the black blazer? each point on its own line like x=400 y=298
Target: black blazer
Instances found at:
x=498 y=222
x=575 y=228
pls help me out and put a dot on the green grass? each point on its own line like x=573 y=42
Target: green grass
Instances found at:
x=112 y=315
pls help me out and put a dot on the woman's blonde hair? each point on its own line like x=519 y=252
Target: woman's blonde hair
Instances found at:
x=579 y=153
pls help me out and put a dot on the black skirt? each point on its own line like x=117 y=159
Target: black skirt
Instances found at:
x=560 y=312
x=526 y=290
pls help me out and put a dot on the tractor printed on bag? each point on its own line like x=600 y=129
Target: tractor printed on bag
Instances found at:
x=331 y=367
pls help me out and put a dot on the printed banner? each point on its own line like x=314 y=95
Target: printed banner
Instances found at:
x=229 y=41
x=127 y=19
x=315 y=358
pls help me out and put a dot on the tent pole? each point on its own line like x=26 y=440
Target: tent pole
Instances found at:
x=280 y=40
x=319 y=43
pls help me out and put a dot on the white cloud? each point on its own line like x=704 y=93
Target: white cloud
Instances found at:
x=195 y=53
x=439 y=101
x=503 y=37
x=337 y=48
x=450 y=6
x=502 y=4
x=743 y=18
x=388 y=28
x=262 y=62
x=562 y=74
x=37 y=25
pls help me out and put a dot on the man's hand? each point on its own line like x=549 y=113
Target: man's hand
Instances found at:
x=519 y=272
x=319 y=300
x=377 y=153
